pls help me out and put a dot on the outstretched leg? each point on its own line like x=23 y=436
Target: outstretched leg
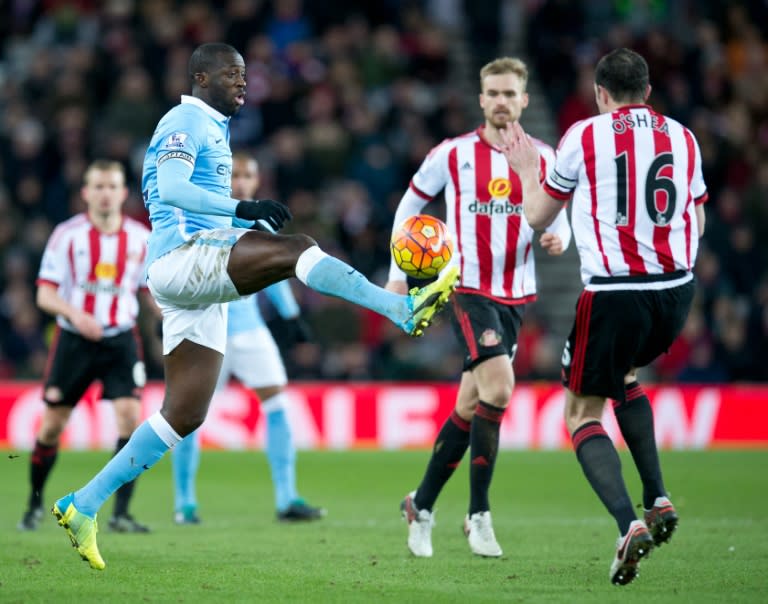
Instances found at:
x=260 y=259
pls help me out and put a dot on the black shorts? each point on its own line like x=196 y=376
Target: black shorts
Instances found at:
x=485 y=328
x=617 y=330
x=75 y=363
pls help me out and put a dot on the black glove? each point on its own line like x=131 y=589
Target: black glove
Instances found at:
x=288 y=332
x=274 y=213
x=299 y=330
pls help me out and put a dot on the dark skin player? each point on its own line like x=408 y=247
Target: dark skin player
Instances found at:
x=257 y=260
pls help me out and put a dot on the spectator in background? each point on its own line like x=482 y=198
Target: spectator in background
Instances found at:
x=580 y=104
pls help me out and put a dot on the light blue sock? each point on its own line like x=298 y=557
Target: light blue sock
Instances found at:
x=281 y=452
x=331 y=276
x=147 y=445
x=186 y=461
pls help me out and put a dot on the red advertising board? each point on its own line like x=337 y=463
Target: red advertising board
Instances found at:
x=335 y=415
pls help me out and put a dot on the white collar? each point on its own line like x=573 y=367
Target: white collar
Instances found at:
x=193 y=100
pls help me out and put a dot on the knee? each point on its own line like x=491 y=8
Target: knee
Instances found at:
x=52 y=426
x=630 y=377
x=498 y=394
x=128 y=412
x=49 y=434
x=465 y=408
x=580 y=410
x=573 y=420
x=301 y=242
x=188 y=425
x=183 y=423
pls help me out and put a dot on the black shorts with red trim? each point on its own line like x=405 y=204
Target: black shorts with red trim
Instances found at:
x=75 y=363
x=484 y=327
x=618 y=329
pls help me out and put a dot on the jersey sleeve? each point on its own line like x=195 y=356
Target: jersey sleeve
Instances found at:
x=432 y=175
x=561 y=227
x=546 y=160
x=181 y=138
x=180 y=141
x=54 y=266
x=563 y=177
x=698 y=187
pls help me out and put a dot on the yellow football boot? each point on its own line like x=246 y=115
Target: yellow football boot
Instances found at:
x=81 y=530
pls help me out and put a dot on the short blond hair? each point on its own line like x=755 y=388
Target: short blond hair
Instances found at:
x=103 y=165
x=505 y=65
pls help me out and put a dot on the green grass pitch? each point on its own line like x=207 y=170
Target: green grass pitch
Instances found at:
x=557 y=539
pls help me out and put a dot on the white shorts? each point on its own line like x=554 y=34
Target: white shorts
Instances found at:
x=254 y=359
x=190 y=284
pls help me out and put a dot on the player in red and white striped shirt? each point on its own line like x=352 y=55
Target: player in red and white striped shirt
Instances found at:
x=91 y=271
x=635 y=181
x=493 y=246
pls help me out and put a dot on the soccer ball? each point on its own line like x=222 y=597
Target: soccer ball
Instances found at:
x=421 y=246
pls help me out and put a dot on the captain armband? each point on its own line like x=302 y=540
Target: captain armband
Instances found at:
x=182 y=155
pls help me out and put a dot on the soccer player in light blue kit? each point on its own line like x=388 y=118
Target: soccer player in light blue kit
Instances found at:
x=253 y=358
x=205 y=249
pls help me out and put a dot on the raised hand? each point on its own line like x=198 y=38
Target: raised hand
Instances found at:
x=517 y=147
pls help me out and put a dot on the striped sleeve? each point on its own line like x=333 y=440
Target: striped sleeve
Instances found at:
x=563 y=177
x=432 y=176
x=54 y=266
x=698 y=187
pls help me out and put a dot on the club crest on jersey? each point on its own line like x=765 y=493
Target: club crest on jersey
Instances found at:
x=500 y=187
x=176 y=140
x=105 y=270
x=490 y=337
x=499 y=203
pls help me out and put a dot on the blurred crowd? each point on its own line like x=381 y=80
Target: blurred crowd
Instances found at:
x=345 y=98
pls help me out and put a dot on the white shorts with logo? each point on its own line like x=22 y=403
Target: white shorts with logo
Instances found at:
x=190 y=285
x=254 y=359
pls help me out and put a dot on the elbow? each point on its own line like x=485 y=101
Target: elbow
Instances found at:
x=164 y=190
x=537 y=223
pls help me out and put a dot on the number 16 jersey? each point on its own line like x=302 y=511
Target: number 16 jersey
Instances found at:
x=635 y=177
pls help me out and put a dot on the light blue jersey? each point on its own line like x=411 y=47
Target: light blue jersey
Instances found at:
x=187 y=175
x=244 y=314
